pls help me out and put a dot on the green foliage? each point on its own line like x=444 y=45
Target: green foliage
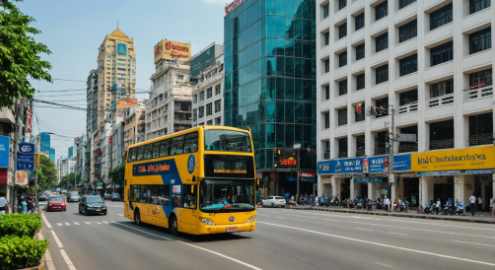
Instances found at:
x=21 y=252
x=117 y=176
x=47 y=173
x=20 y=53
x=67 y=181
x=20 y=224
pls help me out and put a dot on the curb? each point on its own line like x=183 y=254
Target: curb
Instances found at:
x=397 y=215
x=47 y=260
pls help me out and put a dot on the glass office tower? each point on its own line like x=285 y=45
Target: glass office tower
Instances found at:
x=270 y=85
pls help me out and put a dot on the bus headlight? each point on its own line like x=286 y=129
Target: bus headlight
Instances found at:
x=207 y=221
x=252 y=219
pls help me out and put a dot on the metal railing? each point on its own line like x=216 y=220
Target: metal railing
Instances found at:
x=478 y=93
x=411 y=107
x=441 y=100
x=480 y=139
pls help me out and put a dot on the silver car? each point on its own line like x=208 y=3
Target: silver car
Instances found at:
x=273 y=201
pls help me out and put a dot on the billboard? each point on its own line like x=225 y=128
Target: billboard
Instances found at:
x=172 y=50
x=125 y=103
x=4 y=151
x=472 y=158
x=21 y=178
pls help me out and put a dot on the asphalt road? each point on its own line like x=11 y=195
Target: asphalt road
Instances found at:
x=285 y=239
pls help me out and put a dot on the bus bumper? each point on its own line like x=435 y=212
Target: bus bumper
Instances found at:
x=218 y=229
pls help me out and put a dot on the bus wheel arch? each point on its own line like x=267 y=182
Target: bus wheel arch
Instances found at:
x=173 y=224
x=137 y=216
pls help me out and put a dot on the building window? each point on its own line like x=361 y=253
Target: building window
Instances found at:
x=381 y=10
x=209 y=122
x=341 y=4
x=342 y=58
x=441 y=16
x=480 y=79
x=325 y=91
x=359 y=51
x=404 y=3
x=342 y=87
x=342 y=116
x=325 y=10
x=441 y=54
x=359 y=21
x=218 y=120
x=325 y=37
x=195 y=114
x=408 y=31
x=381 y=107
x=359 y=111
x=218 y=105
x=326 y=119
x=442 y=135
x=209 y=92
x=408 y=97
x=477 y=5
x=326 y=65
x=381 y=74
x=481 y=40
x=342 y=145
x=481 y=129
x=342 y=29
x=360 y=145
x=442 y=88
x=360 y=84
x=408 y=65
x=325 y=148
x=201 y=112
x=209 y=110
x=218 y=89
x=201 y=95
x=195 y=98
x=381 y=140
x=381 y=42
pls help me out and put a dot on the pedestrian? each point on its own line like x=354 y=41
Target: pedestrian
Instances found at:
x=386 y=202
x=472 y=204
x=3 y=204
x=492 y=205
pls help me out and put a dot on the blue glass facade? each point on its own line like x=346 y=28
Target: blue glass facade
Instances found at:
x=270 y=75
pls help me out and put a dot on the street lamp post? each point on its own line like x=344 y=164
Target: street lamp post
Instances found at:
x=297 y=147
x=391 y=145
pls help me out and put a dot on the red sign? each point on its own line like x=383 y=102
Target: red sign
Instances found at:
x=3 y=177
x=232 y=6
x=288 y=162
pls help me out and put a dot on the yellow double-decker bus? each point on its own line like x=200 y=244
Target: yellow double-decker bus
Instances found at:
x=197 y=181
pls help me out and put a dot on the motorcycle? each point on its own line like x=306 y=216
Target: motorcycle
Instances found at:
x=459 y=209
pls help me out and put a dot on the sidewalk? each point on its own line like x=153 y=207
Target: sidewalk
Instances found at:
x=411 y=214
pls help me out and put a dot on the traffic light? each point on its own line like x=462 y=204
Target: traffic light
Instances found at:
x=276 y=157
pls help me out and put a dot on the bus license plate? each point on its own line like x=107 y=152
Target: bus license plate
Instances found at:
x=231 y=229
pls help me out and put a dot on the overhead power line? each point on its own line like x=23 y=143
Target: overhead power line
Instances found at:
x=58 y=104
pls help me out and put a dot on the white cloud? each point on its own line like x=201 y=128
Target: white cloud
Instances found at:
x=217 y=2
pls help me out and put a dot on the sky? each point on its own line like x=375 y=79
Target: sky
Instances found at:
x=73 y=31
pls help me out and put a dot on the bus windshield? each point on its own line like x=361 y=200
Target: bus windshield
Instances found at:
x=226 y=140
x=227 y=195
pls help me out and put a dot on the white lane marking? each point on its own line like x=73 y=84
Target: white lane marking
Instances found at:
x=384 y=265
x=99 y=223
x=328 y=218
x=67 y=224
x=76 y=223
x=411 y=250
x=250 y=266
x=60 y=224
x=47 y=223
x=57 y=240
x=105 y=222
x=87 y=222
x=364 y=229
x=474 y=243
x=67 y=260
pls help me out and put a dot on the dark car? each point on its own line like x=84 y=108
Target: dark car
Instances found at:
x=92 y=204
x=56 y=203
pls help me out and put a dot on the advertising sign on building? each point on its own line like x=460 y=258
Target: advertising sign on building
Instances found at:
x=172 y=50
x=4 y=151
x=21 y=178
x=25 y=157
x=371 y=165
x=473 y=158
x=127 y=102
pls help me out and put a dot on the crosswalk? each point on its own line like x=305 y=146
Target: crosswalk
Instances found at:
x=82 y=223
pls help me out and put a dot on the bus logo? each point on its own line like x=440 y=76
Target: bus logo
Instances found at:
x=191 y=163
x=231 y=218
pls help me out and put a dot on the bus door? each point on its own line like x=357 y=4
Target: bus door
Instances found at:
x=187 y=204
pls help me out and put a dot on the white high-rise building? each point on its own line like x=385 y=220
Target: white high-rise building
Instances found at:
x=418 y=73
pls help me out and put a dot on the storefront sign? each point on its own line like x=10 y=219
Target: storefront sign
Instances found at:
x=371 y=165
x=232 y=6
x=366 y=180
x=4 y=151
x=21 y=178
x=172 y=50
x=473 y=158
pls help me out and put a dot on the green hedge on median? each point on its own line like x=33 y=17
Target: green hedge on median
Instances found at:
x=21 y=252
x=19 y=224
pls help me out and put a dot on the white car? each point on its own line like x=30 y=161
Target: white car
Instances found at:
x=273 y=201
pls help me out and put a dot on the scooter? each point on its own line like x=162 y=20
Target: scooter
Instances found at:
x=459 y=209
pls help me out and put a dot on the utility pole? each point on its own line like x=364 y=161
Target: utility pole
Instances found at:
x=391 y=145
x=297 y=147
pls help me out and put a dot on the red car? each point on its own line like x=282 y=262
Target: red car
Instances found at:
x=56 y=203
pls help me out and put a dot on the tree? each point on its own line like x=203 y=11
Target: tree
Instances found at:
x=20 y=53
x=117 y=176
x=46 y=173
x=67 y=181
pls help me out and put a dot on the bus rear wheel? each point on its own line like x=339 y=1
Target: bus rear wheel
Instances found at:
x=137 y=217
x=173 y=225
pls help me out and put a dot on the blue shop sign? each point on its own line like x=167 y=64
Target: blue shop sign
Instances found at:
x=371 y=165
x=339 y=166
x=4 y=151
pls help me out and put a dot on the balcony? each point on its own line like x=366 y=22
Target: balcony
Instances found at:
x=474 y=94
x=441 y=100
x=411 y=107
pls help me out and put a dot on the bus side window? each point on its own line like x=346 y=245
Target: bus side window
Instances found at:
x=140 y=153
x=156 y=150
x=148 y=149
x=191 y=143
x=164 y=148
x=189 y=197
x=178 y=145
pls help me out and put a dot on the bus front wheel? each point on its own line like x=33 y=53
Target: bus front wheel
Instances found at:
x=173 y=225
x=137 y=217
